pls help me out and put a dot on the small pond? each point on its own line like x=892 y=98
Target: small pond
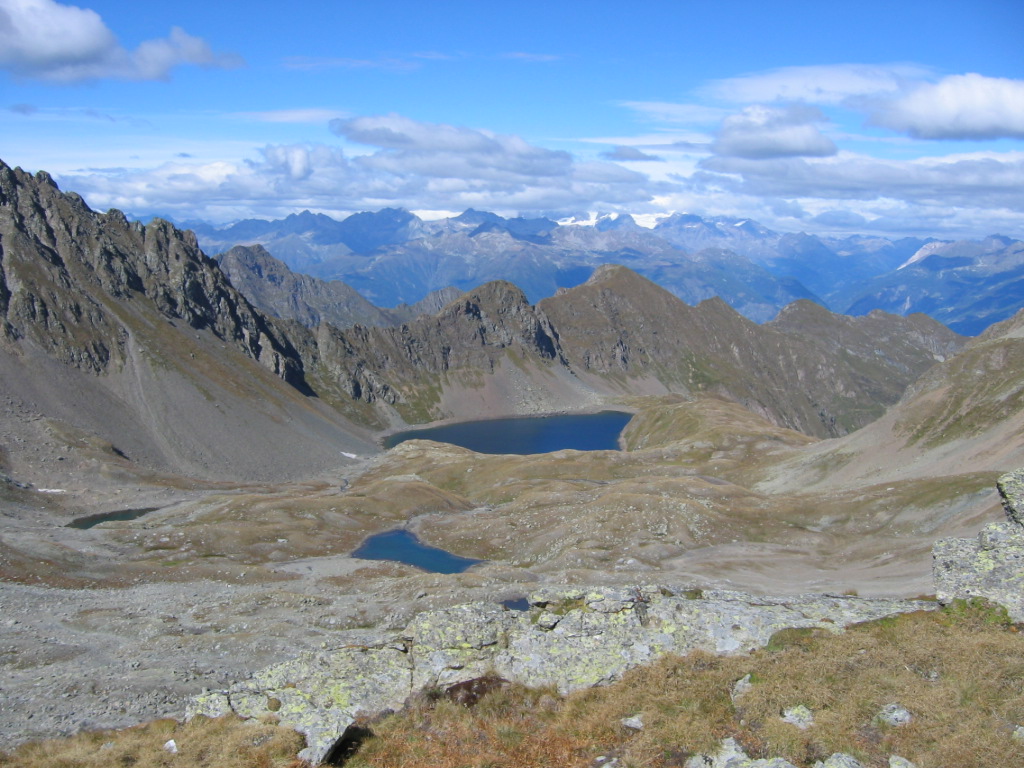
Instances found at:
x=527 y=434
x=106 y=517
x=404 y=547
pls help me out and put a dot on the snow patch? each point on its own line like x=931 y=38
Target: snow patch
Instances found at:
x=922 y=253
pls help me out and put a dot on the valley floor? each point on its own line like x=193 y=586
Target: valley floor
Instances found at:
x=120 y=623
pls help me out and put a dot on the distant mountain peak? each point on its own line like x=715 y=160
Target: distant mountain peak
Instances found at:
x=615 y=221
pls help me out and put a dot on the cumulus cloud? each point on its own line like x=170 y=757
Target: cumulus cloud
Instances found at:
x=46 y=40
x=629 y=154
x=967 y=106
x=781 y=155
x=760 y=132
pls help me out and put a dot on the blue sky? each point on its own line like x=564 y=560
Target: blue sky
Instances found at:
x=894 y=118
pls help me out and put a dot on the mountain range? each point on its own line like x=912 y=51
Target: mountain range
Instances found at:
x=156 y=348
x=393 y=257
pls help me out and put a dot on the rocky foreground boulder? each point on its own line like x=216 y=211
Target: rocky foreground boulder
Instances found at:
x=990 y=565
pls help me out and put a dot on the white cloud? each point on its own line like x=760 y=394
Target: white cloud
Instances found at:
x=624 y=153
x=413 y=165
x=972 y=181
x=765 y=132
x=967 y=106
x=825 y=84
x=398 y=132
x=46 y=40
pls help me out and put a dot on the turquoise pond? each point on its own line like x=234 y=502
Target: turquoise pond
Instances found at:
x=404 y=547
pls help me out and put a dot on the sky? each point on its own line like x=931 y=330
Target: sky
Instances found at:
x=891 y=118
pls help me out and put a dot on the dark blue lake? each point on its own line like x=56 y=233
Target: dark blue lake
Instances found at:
x=527 y=434
x=406 y=548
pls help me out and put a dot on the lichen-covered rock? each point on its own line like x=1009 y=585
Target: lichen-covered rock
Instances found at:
x=1011 y=488
x=731 y=755
x=992 y=564
x=740 y=688
x=900 y=762
x=571 y=638
x=456 y=644
x=583 y=649
x=894 y=715
x=839 y=760
x=318 y=694
x=800 y=716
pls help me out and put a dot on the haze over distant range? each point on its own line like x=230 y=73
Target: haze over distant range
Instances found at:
x=876 y=119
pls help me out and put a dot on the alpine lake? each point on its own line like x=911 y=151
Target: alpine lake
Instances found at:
x=520 y=435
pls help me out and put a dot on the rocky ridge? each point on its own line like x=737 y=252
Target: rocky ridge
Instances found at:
x=70 y=277
x=571 y=638
x=276 y=290
x=392 y=256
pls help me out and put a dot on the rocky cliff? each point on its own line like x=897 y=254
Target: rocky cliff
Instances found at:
x=129 y=335
x=72 y=278
x=992 y=564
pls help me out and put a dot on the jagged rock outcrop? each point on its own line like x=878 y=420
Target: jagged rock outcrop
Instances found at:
x=270 y=285
x=992 y=564
x=73 y=281
x=571 y=638
x=409 y=366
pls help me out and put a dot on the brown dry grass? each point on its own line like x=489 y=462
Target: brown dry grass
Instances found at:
x=959 y=671
x=226 y=742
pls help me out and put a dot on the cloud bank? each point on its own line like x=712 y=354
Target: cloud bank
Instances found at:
x=46 y=40
x=411 y=164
